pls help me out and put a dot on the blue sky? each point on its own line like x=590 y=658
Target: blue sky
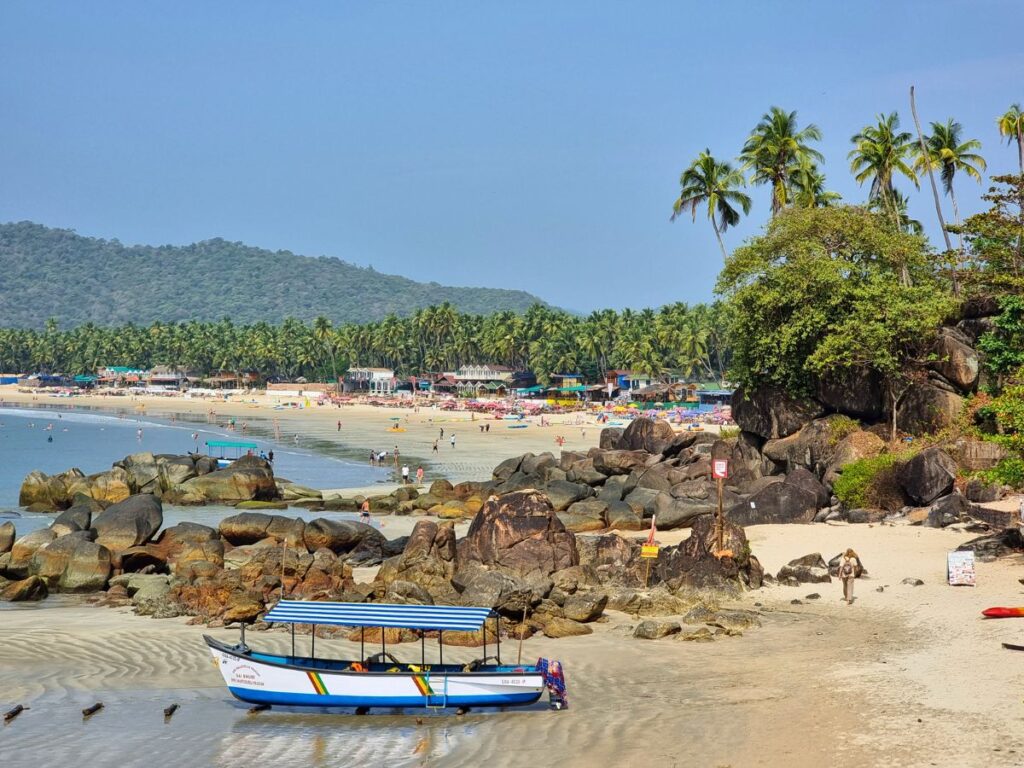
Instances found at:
x=532 y=145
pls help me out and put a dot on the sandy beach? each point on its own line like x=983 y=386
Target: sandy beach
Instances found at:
x=820 y=682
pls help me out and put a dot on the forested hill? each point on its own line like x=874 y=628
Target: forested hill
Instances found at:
x=57 y=273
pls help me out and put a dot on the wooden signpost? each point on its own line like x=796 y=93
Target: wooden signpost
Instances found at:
x=720 y=471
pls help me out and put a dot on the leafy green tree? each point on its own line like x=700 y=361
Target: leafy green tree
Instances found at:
x=715 y=185
x=820 y=294
x=775 y=149
x=995 y=239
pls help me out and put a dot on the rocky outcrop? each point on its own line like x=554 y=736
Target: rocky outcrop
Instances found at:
x=32 y=588
x=247 y=479
x=809 y=569
x=927 y=408
x=928 y=475
x=128 y=523
x=855 y=446
x=7 y=536
x=956 y=360
x=771 y=413
x=649 y=435
x=430 y=559
x=72 y=563
x=858 y=393
x=520 y=533
x=783 y=502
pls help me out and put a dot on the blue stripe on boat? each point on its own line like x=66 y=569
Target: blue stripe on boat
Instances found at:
x=378 y=615
x=316 y=700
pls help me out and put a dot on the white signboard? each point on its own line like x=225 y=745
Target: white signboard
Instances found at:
x=960 y=569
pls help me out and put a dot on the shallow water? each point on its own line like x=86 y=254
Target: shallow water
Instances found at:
x=92 y=441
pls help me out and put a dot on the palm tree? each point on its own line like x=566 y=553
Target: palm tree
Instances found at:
x=775 y=149
x=1011 y=125
x=808 y=183
x=880 y=152
x=947 y=154
x=710 y=182
x=897 y=211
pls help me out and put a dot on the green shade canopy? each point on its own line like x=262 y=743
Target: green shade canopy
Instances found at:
x=230 y=444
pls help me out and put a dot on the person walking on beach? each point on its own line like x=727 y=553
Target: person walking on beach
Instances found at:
x=847 y=573
x=339 y=425
x=364 y=512
x=442 y=434
x=270 y=456
x=453 y=439
x=435 y=446
x=405 y=474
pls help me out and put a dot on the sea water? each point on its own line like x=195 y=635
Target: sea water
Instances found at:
x=53 y=440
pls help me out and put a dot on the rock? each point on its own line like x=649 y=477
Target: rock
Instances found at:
x=339 y=536
x=947 y=510
x=927 y=476
x=776 y=503
x=651 y=629
x=746 y=462
x=585 y=606
x=248 y=478
x=454 y=510
x=976 y=490
x=735 y=620
x=429 y=560
x=7 y=536
x=702 y=635
x=150 y=598
x=585 y=516
x=562 y=494
x=520 y=533
x=807 y=481
x=864 y=515
x=672 y=513
x=143 y=473
x=128 y=523
x=610 y=438
x=245 y=608
x=809 y=569
x=504 y=592
x=508 y=467
x=811 y=447
x=771 y=413
x=74 y=518
x=245 y=528
x=294 y=491
x=619 y=462
x=858 y=392
x=174 y=470
x=407 y=593
x=926 y=409
x=975 y=455
x=642 y=501
x=32 y=588
x=957 y=361
x=858 y=568
x=247 y=505
x=23 y=549
x=561 y=627
x=992 y=546
x=694 y=564
x=614 y=489
x=645 y=434
x=189 y=542
x=535 y=465
x=72 y=563
x=912 y=582
x=855 y=446
x=622 y=517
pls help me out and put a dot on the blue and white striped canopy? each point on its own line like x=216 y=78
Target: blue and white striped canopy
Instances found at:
x=378 y=615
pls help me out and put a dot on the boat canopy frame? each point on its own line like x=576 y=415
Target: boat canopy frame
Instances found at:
x=422 y=618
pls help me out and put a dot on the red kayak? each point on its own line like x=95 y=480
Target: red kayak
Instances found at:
x=1003 y=613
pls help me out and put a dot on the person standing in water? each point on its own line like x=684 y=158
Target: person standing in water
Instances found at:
x=453 y=439
x=419 y=475
x=848 y=567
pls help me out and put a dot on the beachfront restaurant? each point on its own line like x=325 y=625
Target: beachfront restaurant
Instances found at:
x=370 y=381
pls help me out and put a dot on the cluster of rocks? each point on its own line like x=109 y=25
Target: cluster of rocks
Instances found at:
x=187 y=479
x=222 y=574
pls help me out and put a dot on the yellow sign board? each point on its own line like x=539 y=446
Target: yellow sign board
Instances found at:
x=649 y=550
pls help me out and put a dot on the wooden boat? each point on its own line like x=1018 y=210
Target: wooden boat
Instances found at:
x=379 y=680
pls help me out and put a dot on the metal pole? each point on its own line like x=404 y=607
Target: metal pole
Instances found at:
x=440 y=645
x=719 y=543
x=313 y=653
x=497 y=635
x=522 y=633
x=362 y=639
x=383 y=649
x=293 y=641
x=423 y=649
x=484 y=629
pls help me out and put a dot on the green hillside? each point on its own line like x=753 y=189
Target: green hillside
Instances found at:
x=57 y=273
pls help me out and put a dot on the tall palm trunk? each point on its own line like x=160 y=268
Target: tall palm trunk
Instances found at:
x=935 y=189
x=956 y=218
x=718 y=234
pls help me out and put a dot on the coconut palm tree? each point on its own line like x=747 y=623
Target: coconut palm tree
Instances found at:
x=709 y=182
x=896 y=209
x=775 y=149
x=808 y=183
x=1011 y=125
x=880 y=152
x=947 y=154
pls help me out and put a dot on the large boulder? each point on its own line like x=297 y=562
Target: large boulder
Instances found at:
x=250 y=527
x=644 y=434
x=7 y=536
x=562 y=494
x=697 y=564
x=585 y=606
x=855 y=446
x=143 y=472
x=72 y=563
x=672 y=513
x=746 y=461
x=189 y=542
x=776 y=503
x=610 y=438
x=248 y=478
x=339 y=536
x=928 y=475
x=808 y=481
x=40 y=490
x=947 y=510
x=520 y=533
x=588 y=515
x=77 y=517
x=429 y=559
x=927 y=408
x=956 y=360
x=809 y=569
x=128 y=523
x=856 y=392
x=974 y=455
x=174 y=470
x=771 y=413
x=32 y=588
x=504 y=592
x=812 y=447
x=619 y=462
x=23 y=549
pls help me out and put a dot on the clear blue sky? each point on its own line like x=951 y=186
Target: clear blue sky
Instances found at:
x=533 y=145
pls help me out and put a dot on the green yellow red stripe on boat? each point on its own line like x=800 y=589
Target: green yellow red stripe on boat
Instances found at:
x=423 y=685
x=318 y=683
